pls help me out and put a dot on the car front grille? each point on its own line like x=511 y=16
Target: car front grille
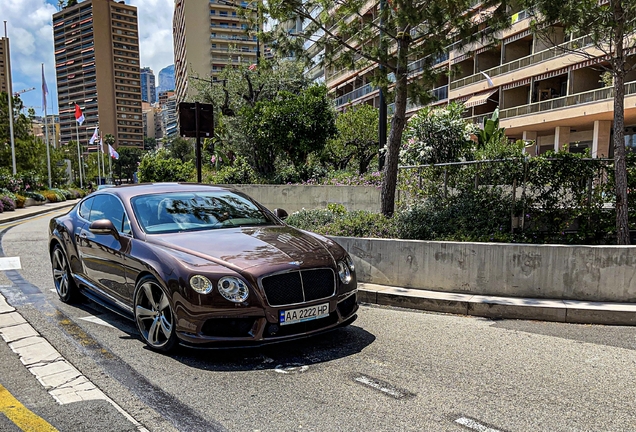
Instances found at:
x=298 y=286
x=275 y=330
x=228 y=327
x=347 y=306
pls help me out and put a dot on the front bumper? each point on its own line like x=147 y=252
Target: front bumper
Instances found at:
x=259 y=330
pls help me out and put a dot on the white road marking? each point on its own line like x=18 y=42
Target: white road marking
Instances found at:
x=292 y=368
x=10 y=263
x=53 y=290
x=472 y=424
x=59 y=377
x=95 y=320
x=376 y=385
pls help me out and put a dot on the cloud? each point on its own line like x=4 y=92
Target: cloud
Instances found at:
x=29 y=26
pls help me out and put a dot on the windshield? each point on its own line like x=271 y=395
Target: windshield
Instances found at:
x=192 y=211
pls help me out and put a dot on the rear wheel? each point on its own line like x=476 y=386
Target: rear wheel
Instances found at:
x=153 y=315
x=64 y=283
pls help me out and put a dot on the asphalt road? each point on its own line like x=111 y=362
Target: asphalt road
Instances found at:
x=392 y=370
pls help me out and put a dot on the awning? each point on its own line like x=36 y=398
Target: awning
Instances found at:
x=525 y=81
x=517 y=36
x=461 y=58
x=552 y=74
x=590 y=62
x=480 y=98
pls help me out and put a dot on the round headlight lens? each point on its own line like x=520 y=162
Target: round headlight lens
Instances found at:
x=350 y=264
x=343 y=272
x=201 y=284
x=233 y=289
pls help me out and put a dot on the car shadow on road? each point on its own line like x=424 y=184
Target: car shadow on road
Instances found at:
x=284 y=357
x=331 y=345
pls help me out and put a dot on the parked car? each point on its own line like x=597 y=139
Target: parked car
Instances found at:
x=201 y=265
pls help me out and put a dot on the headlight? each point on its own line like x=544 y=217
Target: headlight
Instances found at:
x=233 y=289
x=201 y=284
x=350 y=264
x=343 y=272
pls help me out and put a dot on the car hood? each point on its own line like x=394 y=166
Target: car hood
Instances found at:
x=248 y=247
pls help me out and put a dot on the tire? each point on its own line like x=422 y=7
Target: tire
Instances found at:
x=64 y=284
x=153 y=315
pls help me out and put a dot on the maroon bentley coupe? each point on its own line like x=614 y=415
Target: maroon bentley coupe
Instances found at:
x=201 y=265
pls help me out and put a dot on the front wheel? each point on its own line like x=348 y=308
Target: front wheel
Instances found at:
x=64 y=283
x=153 y=315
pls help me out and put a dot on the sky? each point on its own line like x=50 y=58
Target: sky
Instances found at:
x=30 y=31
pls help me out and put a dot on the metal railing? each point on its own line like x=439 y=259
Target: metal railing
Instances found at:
x=355 y=94
x=539 y=57
x=566 y=101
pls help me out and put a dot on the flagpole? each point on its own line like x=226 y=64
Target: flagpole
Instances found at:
x=79 y=155
x=110 y=166
x=46 y=126
x=101 y=156
x=7 y=62
x=99 y=172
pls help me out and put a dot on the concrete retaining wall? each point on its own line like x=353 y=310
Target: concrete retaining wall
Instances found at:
x=589 y=273
x=296 y=197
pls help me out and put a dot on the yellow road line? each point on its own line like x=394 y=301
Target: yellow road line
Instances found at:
x=20 y=415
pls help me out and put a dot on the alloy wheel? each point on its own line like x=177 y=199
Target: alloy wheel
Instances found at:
x=154 y=317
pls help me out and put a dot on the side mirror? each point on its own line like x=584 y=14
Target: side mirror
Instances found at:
x=104 y=227
x=280 y=213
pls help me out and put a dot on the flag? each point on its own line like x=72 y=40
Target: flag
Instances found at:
x=78 y=114
x=101 y=144
x=112 y=152
x=490 y=83
x=94 y=137
x=252 y=67
x=45 y=89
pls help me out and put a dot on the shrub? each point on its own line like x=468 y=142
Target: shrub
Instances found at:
x=337 y=221
x=19 y=201
x=346 y=178
x=239 y=173
x=36 y=196
x=1 y=206
x=8 y=203
x=158 y=166
x=6 y=192
x=310 y=220
x=65 y=193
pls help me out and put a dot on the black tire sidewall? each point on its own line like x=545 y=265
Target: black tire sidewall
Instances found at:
x=72 y=291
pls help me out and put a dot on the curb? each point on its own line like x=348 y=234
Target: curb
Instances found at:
x=41 y=210
x=565 y=311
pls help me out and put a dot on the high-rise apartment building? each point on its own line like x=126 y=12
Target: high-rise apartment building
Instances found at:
x=97 y=67
x=207 y=37
x=5 y=86
x=148 y=90
x=550 y=96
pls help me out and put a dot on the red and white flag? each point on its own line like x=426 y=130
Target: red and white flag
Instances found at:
x=252 y=67
x=94 y=137
x=78 y=114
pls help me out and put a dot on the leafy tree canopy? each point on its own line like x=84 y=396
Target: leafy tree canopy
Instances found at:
x=356 y=141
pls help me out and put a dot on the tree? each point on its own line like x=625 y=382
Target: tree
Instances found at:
x=128 y=162
x=296 y=124
x=182 y=149
x=237 y=91
x=437 y=135
x=406 y=29
x=357 y=139
x=611 y=27
x=158 y=166
x=150 y=143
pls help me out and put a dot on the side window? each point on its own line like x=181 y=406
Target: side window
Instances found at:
x=85 y=208
x=109 y=207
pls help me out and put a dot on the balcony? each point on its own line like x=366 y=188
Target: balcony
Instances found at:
x=355 y=94
x=566 y=101
x=539 y=57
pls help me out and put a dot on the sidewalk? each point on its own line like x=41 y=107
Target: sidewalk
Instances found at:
x=23 y=213
x=566 y=311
